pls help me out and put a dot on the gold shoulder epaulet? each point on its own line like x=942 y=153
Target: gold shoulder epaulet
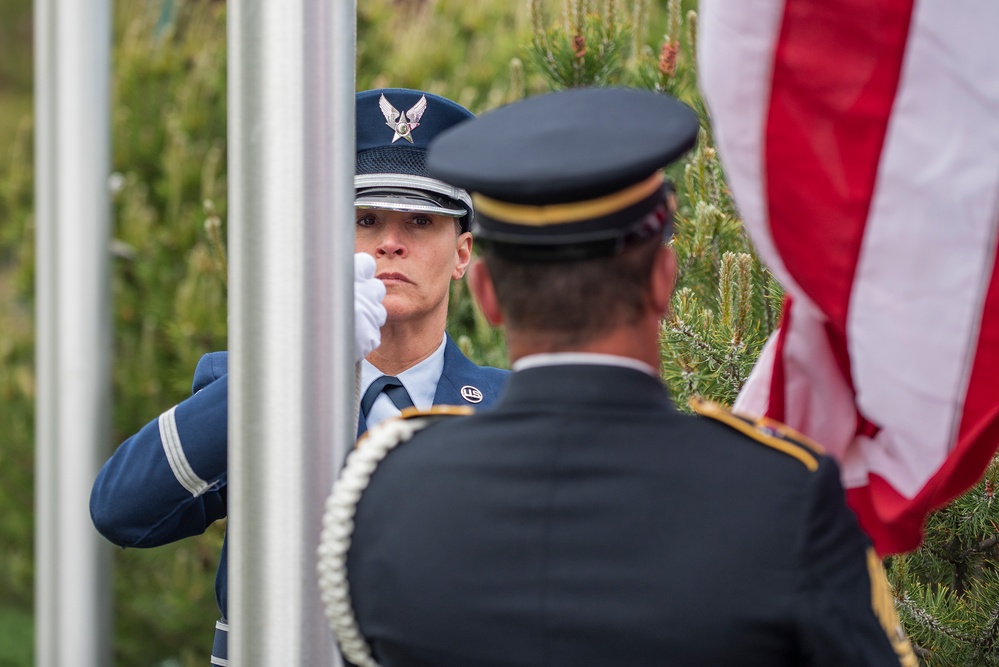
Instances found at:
x=438 y=411
x=767 y=431
x=883 y=602
x=434 y=412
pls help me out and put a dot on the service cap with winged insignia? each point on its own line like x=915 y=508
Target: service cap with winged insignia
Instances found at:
x=394 y=128
x=568 y=175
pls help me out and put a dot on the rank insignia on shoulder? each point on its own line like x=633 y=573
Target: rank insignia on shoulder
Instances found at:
x=767 y=431
x=429 y=416
x=438 y=411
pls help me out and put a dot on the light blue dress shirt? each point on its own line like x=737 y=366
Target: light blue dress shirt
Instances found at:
x=420 y=381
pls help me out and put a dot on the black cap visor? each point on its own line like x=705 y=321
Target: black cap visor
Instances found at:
x=408 y=200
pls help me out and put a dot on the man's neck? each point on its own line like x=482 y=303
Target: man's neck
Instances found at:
x=405 y=344
x=640 y=342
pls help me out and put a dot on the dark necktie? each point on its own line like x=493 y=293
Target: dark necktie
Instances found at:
x=393 y=389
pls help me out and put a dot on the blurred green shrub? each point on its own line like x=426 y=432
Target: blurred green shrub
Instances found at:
x=15 y=40
x=16 y=338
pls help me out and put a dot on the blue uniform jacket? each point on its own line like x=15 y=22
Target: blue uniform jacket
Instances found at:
x=168 y=481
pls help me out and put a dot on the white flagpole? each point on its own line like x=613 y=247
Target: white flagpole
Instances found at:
x=73 y=328
x=291 y=164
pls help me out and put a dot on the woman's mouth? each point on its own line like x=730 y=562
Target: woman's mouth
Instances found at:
x=389 y=278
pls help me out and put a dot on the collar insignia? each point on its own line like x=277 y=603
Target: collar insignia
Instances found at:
x=402 y=122
x=471 y=394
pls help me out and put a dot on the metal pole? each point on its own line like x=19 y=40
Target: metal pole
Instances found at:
x=291 y=163
x=73 y=340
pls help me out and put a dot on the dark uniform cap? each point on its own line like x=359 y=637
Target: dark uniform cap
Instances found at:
x=394 y=128
x=568 y=175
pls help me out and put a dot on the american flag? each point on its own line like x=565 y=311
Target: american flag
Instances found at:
x=861 y=143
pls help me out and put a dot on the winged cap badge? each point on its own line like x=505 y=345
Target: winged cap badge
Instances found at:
x=402 y=122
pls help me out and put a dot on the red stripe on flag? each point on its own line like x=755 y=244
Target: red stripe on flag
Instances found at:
x=982 y=399
x=897 y=533
x=835 y=75
x=895 y=523
x=777 y=403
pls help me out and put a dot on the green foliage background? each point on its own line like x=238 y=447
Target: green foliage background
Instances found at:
x=169 y=273
x=16 y=345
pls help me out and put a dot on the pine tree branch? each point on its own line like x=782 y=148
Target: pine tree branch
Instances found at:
x=698 y=343
x=927 y=620
x=921 y=653
x=986 y=645
x=938 y=551
x=984 y=545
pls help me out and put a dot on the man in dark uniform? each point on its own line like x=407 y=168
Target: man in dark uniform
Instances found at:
x=168 y=481
x=584 y=520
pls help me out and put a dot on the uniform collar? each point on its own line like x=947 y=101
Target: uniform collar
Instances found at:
x=582 y=358
x=571 y=385
x=420 y=380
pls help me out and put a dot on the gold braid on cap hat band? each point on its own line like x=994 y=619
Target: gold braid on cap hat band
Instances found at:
x=558 y=214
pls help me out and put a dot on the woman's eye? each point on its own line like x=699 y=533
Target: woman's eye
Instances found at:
x=366 y=221
x=422 y=221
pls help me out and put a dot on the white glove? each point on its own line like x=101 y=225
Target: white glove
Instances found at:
x=369 y=313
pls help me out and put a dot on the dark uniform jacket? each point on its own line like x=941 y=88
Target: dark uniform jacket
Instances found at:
x=584 y=521
x=168 y=481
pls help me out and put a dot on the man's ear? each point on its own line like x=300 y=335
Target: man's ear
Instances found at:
x=481 y=284
x=663 y=280
x=464 y=252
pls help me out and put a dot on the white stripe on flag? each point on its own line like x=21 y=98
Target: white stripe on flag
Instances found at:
x=735 y=46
